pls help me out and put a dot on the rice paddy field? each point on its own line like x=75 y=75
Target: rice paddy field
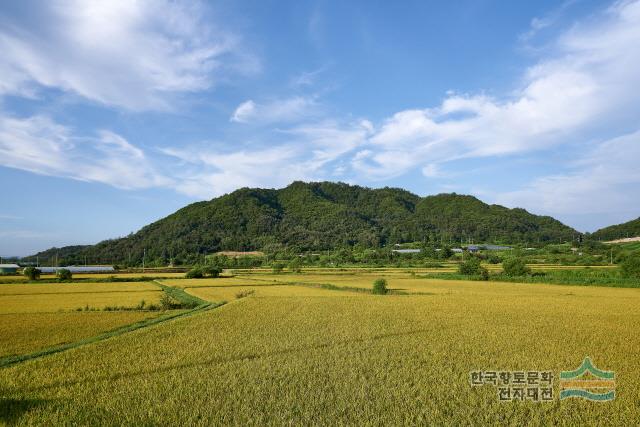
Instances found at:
x=57 y=297
x=229 y=293
x=315 y=349
x=41 y=315
x=25 y=333
x=96 y=276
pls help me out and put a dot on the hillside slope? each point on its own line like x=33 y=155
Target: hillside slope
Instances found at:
x=619 y=231
x=323 y=215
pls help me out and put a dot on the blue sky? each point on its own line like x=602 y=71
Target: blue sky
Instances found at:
x=115 y=114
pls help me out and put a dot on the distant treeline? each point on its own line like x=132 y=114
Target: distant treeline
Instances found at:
x=620 y=231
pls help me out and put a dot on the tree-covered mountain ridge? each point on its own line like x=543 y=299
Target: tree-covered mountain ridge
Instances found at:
x=618 y=231
x=318 y=216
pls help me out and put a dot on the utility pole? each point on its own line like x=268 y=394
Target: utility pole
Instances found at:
x=144 y=254
x=611 y=262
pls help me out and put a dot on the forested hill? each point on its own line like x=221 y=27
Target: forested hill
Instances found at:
x=620 y=231
x=324 y=215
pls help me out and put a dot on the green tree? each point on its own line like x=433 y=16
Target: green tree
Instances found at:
x=514 y=267
x=630 y=267
x=470 y=267
x=445 y=253
x=277 y=267
x=295 y=265
x=380 y=287
x=64 y=274
x=194 y=273
x=211 y=271
x=31 y=273
x=494 y=259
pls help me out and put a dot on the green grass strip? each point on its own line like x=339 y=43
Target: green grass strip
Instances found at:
x=549 y=278
x=180 y=295
x=12 y=360
x=330 y=287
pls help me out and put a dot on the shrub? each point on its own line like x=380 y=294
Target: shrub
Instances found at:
x=431 y=264
x=211 y=271
x=295 y=265
x=494 y=259
x=206 y=271
x=470 y=267
x=277 y=267
x=64 y=274
x=484 y=273
x=31 y=273
x=445 y=253
x=380 y=287
x=514 y=267
x=630 y=267
x=168 y=303
x=243 y=294
x=194 y=273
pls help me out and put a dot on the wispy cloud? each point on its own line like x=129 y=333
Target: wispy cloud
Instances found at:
x=276 y=111
x=540 y=23
x=583 y=86
x=330 y=140
x=132 y=54
x=9 y=217
x=307 y=78
x=308 y=153
x=27 y=234
x=40 y=145
x=204 y=174
x=605 y=176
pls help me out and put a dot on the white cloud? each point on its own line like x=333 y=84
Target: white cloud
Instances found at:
x=431 y=171
x=307 y=78
x=277 y=111
x=26 y=234
x=10 y=217
x=583 y=86
x=205 y=174
x=605 y=177
x=330 y=140
x=308 y=154
x=132 y=54
x=244 y=111
x=40 y=145
x=540 y=23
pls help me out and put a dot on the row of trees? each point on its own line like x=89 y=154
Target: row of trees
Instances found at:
x=33 y=273
x=517 y=267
